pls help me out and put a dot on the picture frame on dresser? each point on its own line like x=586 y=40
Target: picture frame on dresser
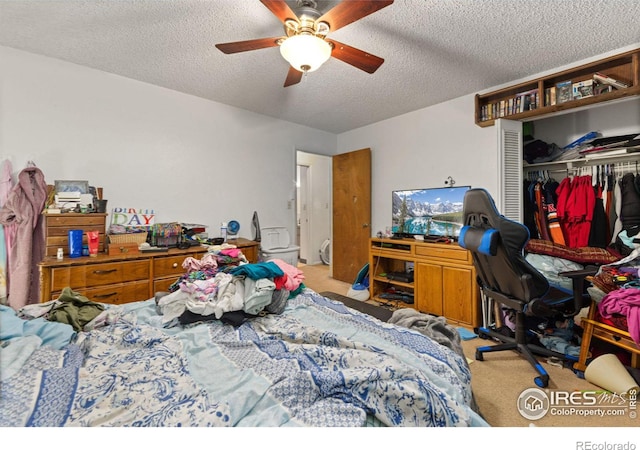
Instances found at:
x=81 y=186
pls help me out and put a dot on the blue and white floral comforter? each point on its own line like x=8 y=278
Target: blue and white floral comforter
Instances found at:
x=317 y=364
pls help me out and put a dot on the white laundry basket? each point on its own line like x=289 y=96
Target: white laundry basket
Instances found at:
x=276 y=244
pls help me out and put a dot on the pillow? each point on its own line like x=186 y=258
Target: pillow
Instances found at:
x=582 y=255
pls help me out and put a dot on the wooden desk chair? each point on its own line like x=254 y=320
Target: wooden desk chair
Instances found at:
x=616 y=336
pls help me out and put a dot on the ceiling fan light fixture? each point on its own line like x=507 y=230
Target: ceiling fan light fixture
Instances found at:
x=305 y=52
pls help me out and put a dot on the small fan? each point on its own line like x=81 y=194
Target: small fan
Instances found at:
x=325 y=252
x=232 y=228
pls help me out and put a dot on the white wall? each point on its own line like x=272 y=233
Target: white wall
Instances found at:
x=421 y=149
x=189 y=159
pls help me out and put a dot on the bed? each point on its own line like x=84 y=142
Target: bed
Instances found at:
x=314 y=363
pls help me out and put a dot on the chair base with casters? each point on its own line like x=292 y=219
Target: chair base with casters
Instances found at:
x=507 y=278
x=520 y=343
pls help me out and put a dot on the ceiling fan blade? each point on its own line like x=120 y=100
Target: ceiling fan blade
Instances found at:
x=280 y=9
x=349 y=11
x=357 y=58
x=244 y=46
x=293 y=77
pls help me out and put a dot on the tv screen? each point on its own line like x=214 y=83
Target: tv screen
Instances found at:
x=429 y=212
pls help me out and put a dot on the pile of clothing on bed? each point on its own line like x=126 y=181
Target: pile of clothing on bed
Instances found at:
x=221 y=285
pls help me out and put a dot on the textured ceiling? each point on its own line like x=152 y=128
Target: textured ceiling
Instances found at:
x=434 y=50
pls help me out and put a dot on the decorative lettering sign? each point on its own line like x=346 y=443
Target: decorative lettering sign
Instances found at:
x=133 y=217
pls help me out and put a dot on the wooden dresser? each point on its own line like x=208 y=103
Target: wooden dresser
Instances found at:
x=122 y=278
x=444 y=278
x=57 y=228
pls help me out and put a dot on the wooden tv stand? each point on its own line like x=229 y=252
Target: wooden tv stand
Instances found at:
x=444 y=278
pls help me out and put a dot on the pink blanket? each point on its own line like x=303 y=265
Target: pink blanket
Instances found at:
x=625 y=302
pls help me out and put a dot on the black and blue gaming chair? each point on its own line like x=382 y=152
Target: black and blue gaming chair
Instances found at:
x=505 y=276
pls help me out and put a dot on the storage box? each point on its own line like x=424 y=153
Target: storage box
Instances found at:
x=166 y=234
x=124 y=238
x=129 y=248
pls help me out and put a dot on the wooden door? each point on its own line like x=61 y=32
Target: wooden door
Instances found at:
x=351 y=174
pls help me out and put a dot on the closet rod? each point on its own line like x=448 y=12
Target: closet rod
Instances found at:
x=563 y=166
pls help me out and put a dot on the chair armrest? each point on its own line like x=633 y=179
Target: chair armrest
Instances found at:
x=578 y=278
x=582 y=273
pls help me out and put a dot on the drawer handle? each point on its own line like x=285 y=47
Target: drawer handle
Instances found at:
x=105 y=295
x=103 y=272
x=175 y=265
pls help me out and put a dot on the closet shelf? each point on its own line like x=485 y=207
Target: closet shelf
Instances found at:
x=581 y=162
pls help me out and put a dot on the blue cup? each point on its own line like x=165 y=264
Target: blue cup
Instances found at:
x=75 y=243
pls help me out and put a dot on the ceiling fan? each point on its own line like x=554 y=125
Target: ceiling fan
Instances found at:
x=305 y=44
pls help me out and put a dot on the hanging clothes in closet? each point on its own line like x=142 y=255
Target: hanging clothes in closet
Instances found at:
x=598 y=235
x=588 y=209
x=550 y=188
x=627 y=226
x=540 y=213
x=576 y=201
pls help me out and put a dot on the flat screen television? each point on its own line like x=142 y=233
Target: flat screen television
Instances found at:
x=428 y=212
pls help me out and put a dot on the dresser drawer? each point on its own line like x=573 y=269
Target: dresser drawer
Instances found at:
x=69 y=221
x=162 y=285
x=57 y=227
x=169 y=265
x=77 y=277
x=118 y=294
x=441 y=252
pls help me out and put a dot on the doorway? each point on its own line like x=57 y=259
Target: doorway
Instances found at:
x=313 y=204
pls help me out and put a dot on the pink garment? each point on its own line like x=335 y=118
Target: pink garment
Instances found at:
x=231 y=252
x=9 y=230
x=24 y=209
x=627 y=303
x=295 y=276
x=208 y=261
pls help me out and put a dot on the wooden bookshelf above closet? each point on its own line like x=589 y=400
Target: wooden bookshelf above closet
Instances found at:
x=544 y=96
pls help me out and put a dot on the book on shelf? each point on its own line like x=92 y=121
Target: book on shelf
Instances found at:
x=564 y=91
x=602 y=89
x=550 y=96
x=605 y=79
x=526 y=101
x=582 y=89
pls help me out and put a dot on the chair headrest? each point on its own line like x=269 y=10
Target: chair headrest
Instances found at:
x=482 y=240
